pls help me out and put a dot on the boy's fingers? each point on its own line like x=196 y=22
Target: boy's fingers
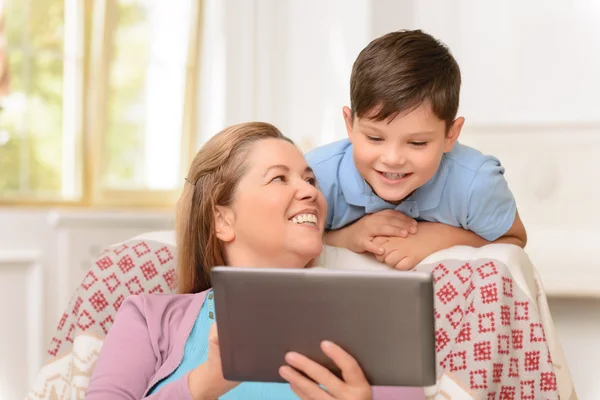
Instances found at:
x=390 y=230
x=405 y=264
x=373 y=248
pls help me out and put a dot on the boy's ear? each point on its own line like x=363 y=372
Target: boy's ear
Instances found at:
x=224 y=224
x=347 y=113
x=453 y=133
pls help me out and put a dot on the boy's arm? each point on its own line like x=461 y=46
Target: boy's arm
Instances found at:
x=358 y=236
x=406 y=253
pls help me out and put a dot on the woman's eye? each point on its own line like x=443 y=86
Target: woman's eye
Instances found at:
x=280 y=178
x=312 y=181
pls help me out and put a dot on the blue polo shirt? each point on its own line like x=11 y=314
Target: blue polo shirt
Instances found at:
x=469 y=190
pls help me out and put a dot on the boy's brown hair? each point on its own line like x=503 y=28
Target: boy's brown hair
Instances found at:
x=399 y=71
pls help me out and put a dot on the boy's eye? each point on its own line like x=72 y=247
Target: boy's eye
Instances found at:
x=418 y=144
x=374 y=138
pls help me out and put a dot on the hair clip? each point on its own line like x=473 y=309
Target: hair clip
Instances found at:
x=190 y=182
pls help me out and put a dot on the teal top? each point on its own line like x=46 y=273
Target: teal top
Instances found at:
x=196 y=352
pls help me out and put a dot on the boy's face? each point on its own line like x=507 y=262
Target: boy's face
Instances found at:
x=397 y=157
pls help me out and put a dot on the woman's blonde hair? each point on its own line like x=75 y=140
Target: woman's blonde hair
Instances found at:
x=211 y=181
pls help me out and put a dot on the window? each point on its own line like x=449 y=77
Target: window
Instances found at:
x=99 y=102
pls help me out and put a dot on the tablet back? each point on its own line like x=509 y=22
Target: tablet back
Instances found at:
x=383 y=318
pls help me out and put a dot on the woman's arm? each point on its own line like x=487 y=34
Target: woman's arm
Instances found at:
x=128 y=360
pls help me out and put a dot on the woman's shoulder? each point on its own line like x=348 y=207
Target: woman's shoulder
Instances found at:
x=159 y=306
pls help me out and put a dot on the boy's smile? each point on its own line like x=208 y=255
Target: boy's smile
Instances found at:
x=396 y=157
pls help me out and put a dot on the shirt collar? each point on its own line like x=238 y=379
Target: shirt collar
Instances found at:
x=354 y=188
x=358 y=193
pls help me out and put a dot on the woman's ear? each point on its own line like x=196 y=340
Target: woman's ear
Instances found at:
x=224 y=224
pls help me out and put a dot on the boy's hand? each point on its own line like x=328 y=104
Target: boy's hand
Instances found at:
x=406 y=253
x=402 y=253
x=359 y=236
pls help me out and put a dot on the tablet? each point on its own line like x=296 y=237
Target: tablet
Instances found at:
x=384 y=319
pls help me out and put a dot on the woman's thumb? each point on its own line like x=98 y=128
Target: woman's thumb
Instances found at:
x=213 y=336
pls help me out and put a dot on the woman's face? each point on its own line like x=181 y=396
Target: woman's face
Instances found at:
x=278 y=215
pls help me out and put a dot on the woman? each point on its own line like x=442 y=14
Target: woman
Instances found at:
x=243 y=190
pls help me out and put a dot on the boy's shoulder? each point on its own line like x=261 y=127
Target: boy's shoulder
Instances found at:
x=329 y=154
x=467 y=159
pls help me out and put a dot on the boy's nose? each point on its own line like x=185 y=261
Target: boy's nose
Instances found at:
x=393 y=157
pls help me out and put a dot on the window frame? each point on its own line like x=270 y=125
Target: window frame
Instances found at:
x=90 y=113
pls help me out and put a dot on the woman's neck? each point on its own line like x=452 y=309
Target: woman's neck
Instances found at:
x=247 y=258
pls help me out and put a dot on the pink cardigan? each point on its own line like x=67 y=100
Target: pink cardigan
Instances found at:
x=146 y=344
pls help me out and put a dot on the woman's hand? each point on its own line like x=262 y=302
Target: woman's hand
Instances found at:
x=206 y=381
x=354 y=385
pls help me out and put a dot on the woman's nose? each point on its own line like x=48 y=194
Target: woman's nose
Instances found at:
x=306 y=191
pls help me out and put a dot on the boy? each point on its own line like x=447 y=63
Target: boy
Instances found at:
x=402 y=162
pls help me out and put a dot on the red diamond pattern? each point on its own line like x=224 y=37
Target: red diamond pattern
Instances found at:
x=517 y=339
x=119 y=249
x=507 y=287
x=156 y=289
x=126 y=263
x=521 y=311
x=505 y=315
x=536 y=334
x=441 y=339
x=98 y=301
x=548 y=382
x=149 y=270
x=77 y=305
x=89 y=280
x=489 y=293
x=458 y=361
x=507 y=392
x=107 y=324
x=134 y=286
x=486 y=322
x=465 y=333
x=482 y=351
x=464 y=273
x=479 y=379
x=164 y=255
x=532 y=360
x=111 y=282
x=62 y=321
x=487 y=270
x=447 y=293
x=85 y=320
x=528 y=390
x=469 y=290
x=141 y=248
x=104 y=263
x=54 y=346
x=117 y=303
x=170 y=278
x=455 y=316
x=142 y=266
x=439 y=272
x=513 y=370
x=498 y=368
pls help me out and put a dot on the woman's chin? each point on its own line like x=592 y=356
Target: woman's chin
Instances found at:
x=308 y=249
